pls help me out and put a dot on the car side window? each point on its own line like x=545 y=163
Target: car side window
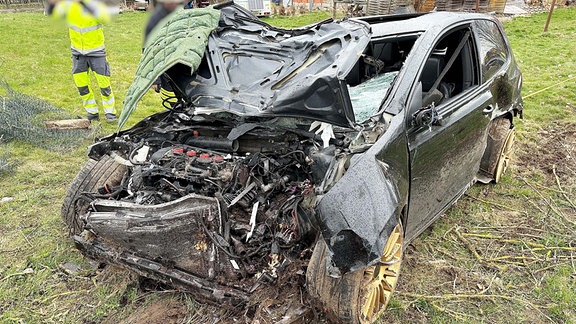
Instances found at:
x=451 y=68
x=492 y=46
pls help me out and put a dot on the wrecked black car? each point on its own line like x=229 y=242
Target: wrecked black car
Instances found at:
x=346 y=138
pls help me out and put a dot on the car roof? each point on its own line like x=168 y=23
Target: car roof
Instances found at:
x=418 y=22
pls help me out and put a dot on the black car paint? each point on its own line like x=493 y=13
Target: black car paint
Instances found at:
x=410 y=174
x=439 y=147
x=358 y=214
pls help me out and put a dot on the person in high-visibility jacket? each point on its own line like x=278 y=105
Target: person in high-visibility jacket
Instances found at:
x=84 y=19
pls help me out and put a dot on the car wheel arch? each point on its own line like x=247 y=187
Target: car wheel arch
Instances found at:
x=500 y=139
x=360 y=209
x=359 y=296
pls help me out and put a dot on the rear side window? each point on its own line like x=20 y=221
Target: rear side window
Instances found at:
x=493 y=49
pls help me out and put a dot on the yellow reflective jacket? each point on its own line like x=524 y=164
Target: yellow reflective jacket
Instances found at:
x=84 y=18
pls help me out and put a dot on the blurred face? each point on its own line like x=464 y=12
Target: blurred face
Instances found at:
x=171 y=6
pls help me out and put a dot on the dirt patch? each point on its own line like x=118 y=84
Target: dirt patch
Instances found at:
x=160 y=312
x=282 y=301
x=555 y=148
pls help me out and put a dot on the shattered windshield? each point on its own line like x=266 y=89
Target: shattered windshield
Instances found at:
x=367 y=97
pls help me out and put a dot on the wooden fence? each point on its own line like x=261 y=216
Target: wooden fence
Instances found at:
x=15 y=4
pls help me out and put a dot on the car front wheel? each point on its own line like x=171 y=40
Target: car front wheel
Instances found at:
x=360 y=296
x=104 y=173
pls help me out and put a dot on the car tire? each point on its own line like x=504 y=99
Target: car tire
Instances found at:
x=360 y=296
x=93 y=175
x=501 y=138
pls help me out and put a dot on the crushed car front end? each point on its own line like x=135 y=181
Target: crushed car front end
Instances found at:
x=229 y=212
x=228 y=189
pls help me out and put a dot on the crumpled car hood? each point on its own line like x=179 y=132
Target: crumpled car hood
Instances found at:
x=250 y=68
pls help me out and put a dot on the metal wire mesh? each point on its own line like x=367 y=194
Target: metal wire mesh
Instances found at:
x=23 y=117
x=6 y=165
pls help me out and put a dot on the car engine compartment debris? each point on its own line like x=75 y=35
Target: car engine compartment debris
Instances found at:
x=230 y=202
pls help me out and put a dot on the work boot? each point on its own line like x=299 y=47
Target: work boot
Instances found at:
x=110 y=117
x=92 y=117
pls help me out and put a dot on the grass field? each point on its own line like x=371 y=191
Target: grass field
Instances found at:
x=503 y=253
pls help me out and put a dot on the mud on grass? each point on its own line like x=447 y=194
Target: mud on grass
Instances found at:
x=285 y=301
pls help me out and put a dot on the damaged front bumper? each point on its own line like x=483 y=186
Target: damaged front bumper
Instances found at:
x=183 y=280
x=177 y=242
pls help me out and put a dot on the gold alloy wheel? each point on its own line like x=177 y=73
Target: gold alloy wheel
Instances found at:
x=505 y=154
x=380 y=280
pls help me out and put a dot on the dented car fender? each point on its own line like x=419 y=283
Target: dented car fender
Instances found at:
x=358 y=214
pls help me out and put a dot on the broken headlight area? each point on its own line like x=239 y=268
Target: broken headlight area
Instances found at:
x=230 y=202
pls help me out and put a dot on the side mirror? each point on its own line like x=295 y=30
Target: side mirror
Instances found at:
x=423 y=111
x=426 y=117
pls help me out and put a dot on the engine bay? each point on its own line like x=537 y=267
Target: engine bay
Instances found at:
x=263 y=180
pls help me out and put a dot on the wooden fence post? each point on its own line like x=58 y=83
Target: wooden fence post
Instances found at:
x=549 y=15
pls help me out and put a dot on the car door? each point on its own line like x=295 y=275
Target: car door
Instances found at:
x=447 y=134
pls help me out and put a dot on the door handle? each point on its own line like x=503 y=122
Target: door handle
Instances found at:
x=488 y=110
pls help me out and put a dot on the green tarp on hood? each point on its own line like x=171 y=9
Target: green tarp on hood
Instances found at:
x=181 y=37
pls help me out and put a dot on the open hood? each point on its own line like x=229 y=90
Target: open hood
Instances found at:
x=250 y=68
